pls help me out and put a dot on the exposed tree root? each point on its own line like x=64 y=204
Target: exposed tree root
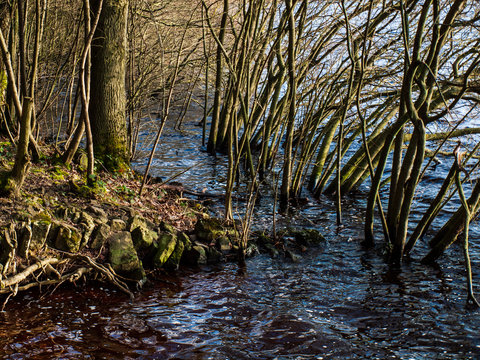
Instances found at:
x=67 y=267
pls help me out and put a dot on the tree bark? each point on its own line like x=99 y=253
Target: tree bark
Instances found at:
x=107 y=94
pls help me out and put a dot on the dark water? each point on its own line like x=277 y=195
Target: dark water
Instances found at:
x=338 y=302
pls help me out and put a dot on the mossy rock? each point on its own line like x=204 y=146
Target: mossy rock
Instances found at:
x=196 y=255
x=40 y=230
x=99 y=236
x=86 y=225
x=211 y=229
x=117 y=225
x=143 y=237
x=166 y=246
x=67 y=238
x=123 y=257
x=213 y=255
x=306 y=237
x=167 y=228
x=223 y=244
x=173 y=261
x=136 y=221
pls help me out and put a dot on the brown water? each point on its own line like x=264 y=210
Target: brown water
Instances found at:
x=338 y=302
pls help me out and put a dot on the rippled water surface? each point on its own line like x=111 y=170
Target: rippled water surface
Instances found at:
x=338 y=302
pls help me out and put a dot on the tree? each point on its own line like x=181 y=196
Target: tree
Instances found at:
x=108 y=100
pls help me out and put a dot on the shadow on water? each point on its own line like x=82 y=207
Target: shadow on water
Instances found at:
x=339 y=302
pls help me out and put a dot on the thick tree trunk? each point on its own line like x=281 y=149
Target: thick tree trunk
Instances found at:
x=107 y=96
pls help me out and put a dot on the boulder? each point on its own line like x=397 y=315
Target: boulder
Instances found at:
x=123 y=257
x=213 y=255
x=136 y=221
x=86 y=225
x=173 y=261
x=143 y=237
x=165 y=247
x=306 y=237
x=40 y=231
x=117 y=225
x=223 y=244
x=99 y=236
x=66 y=238
x=211 y=229
x=195 y=256
x=167 y=228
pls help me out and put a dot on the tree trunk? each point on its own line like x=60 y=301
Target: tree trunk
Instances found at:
x=108 y=99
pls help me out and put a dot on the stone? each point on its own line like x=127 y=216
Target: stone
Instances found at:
x=306 y=237
x=117 y=225
x=187 y=242
x=123 y=257
x=289 y=254
x=136 y=221
x=173 y=261
x=252 y=249
x=197 y=255
x=223 y=244
x=86 y=225
x=213 y=255
x=83 y=161
x=67 y=238
x=40 y=231
x=99 y=236
x=99 y=215
x=167 y=228
x=166 y=246
x=143 y=237
x=209 y=230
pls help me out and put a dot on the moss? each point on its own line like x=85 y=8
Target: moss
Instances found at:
x=166 y=246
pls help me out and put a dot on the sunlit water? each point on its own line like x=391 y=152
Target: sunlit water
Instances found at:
x=339 y=302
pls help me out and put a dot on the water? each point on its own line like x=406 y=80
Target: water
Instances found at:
x=338 y=302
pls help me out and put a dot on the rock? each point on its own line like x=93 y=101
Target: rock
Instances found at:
x=195 y=256
x=143 y=237
x=289 y=254
x=213 y=255
x=82 y=161
x=117 y=225
x=136 y=221
x=86 y=225
x=271 y=249
x=99 y=215
x=185 y=239
x=99 y=236
x=223 y=244
x=209 y=230
x=123 y=257
x=306 y=237
x=167 y=228
x=252 y=249
x=173 y=261
x=166 y=246
x=40 y=231
x=67 y=238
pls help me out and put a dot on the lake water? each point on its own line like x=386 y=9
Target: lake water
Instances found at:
x=339 y=302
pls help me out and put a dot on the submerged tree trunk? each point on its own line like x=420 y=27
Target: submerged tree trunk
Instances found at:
x=108 y=99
